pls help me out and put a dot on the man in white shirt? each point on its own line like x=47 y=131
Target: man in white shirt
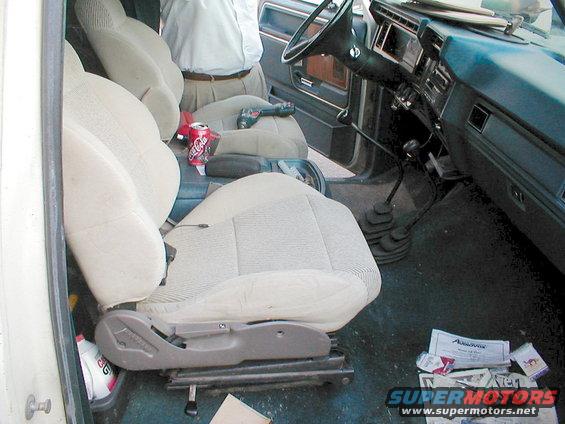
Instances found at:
x=216 y=44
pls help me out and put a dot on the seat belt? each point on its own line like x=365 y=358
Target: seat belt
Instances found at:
x=170 y=253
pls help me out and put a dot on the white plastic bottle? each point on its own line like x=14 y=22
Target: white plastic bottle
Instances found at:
x=99 y=376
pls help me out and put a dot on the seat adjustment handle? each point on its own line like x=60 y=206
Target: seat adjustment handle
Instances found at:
x=191 y=408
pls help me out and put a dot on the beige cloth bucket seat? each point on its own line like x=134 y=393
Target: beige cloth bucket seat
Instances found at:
x=138 y=59
x=273 y=248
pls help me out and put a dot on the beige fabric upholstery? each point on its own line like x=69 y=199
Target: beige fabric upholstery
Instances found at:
x=274 y=249
x=243 y=194
x=270 y=136
x=119 y=186
x=284 y=253
x=198 y=94
x=135 y=57
x=138 y=59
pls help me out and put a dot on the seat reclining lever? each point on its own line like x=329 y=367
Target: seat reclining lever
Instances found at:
x=170 y=253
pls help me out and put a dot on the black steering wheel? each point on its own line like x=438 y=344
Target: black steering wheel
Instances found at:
x=321 y=42
x=337 y=38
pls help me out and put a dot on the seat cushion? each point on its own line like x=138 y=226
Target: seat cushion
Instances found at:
x=273 y=137
x=275 y=249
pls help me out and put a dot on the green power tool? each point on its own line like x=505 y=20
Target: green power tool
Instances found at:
x=249 y=117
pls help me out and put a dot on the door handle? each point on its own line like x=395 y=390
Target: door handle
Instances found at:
x=306 y=82
x=303 y=80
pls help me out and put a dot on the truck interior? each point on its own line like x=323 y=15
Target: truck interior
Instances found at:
x=430 y=195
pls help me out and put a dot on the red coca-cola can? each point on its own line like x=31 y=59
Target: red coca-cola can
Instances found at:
x=199 y=139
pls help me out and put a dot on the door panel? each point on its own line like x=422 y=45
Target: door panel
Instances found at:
x=327 y=69
x=319 y=86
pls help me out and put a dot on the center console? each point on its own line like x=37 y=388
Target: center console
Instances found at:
x=409 y=40
x=194 y=187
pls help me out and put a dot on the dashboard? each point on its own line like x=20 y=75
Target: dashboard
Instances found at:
x=495 y=102
x=397 y=38
x=418 y=57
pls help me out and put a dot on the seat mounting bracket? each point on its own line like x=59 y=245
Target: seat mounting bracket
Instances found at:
x=332 y=368
x=135 y=341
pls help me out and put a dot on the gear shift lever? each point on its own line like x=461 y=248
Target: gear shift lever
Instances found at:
x=396 y=244
x=412 y=149
x=379 y=220
x=344 y=117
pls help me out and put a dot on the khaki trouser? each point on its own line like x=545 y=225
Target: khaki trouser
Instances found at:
x=200 y=93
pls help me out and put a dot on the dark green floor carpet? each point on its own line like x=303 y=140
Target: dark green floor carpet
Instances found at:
x=469 y=272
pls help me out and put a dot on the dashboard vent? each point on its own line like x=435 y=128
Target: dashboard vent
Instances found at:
x=382 y=34
x=478 y=118
x=436 y=41
x=413 y=27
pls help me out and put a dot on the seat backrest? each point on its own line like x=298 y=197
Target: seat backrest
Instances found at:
x=120 y=182
x=135 y=57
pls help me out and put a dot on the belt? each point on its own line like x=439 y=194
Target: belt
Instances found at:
x=205 y=77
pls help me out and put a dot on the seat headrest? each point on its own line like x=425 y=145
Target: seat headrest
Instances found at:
x=100 y=14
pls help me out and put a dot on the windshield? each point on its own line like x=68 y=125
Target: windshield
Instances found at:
x=539 y=15
x=542 y=24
